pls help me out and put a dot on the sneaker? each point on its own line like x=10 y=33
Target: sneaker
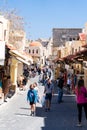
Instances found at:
x=5 y=100
x=31 y=113
x=34 y=114
x=79 y=125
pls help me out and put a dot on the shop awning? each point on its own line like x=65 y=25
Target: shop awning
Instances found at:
x=16 y=53
x=24 y=56
x=58 y=60
x=79 y=56
x=69 y=57
x=85 y=46
x=23 y=61
x=20 y=57
x=82 y=52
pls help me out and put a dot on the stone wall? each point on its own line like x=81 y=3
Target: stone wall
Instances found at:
x=61 y=35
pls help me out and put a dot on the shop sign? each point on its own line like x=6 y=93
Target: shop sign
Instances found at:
x=2 y=52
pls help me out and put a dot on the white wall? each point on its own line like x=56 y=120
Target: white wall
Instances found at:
x=4 y=29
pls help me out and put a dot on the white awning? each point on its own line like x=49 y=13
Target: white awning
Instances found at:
x=23 y=61
x=16 y=53
x=21 y=56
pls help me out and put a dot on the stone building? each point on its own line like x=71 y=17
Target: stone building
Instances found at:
x=61 y=35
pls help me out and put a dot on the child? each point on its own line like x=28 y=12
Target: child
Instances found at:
x=37 y=90
x=32 y=98
x=68 y=84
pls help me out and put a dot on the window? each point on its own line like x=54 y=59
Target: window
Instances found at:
x=33 y=51
x=4 y=35
x=37 y=51
x=75 y=50
x=43 y=53
x=79 y=48
x=72 y=50
x=73 y=38
x=42 y=61
x=29 y=51
x=1 y=30
x=70 y=39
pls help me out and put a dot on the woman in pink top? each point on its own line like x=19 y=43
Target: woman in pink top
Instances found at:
x=81 y=99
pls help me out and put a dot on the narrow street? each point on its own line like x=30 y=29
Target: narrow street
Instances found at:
x=15 y=114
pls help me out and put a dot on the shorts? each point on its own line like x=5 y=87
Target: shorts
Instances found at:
x=31 y=103
x=48 y=96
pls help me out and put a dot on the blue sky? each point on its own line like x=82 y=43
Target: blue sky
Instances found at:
x=41 y=16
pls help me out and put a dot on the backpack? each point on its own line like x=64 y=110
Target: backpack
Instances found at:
x=31 y=95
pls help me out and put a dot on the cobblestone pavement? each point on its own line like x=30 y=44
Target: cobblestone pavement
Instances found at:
x=15 y=114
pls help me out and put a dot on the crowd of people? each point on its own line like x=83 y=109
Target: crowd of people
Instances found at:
x=45 y=77
x=76 y=86
x=65 y=81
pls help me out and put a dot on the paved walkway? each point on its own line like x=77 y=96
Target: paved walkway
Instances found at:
x=14 y=115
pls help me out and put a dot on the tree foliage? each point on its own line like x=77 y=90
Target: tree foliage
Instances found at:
x=16 y=21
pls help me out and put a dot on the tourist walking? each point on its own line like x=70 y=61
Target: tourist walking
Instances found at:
x=6 y=86
x=60 y=88
x=32 y=98
x=37 y=90
x=81 y=99
x=69 y=84
x=48 y=91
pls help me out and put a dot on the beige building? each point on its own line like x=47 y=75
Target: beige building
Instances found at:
x=37 y=51
x=69 y=54
x=15 y=55
x=18 y=39
x=40 y=50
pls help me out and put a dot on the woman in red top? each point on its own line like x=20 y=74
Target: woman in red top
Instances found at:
x=81 y=99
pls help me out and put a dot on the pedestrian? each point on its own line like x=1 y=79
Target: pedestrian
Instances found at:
x=75 y=80
x=68 y=84
x=24 y=82
x=60 y=88
x=37 y=90
x=32 y=98
x=81 y=99
x=21 y=82
x=6 y=86
x=48 y=91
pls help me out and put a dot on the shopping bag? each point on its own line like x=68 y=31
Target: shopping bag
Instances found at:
x=43 y=101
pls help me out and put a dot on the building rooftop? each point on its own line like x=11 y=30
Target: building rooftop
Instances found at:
x=61 y=35
x=35 y=43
